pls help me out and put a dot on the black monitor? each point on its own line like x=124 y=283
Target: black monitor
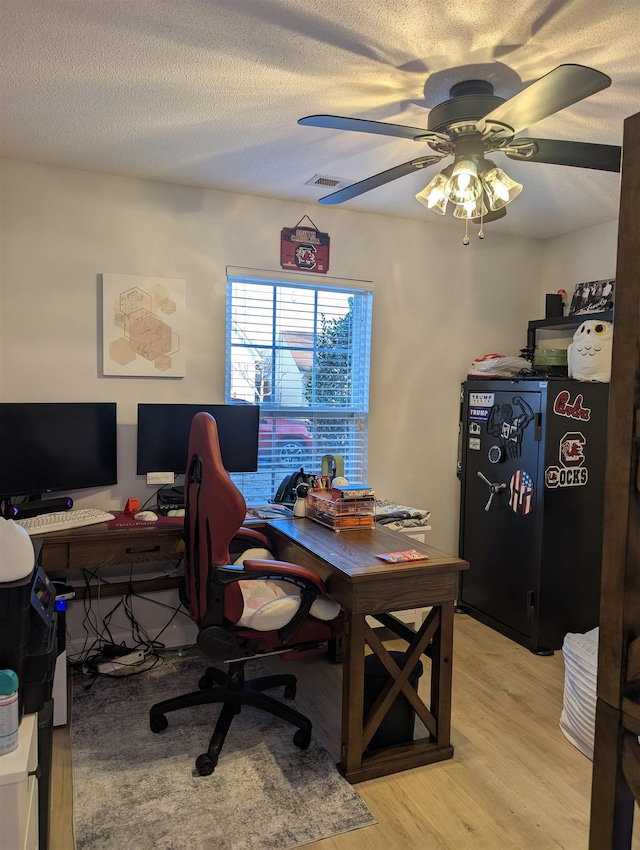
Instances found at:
x=163 y=436
x=50 y=447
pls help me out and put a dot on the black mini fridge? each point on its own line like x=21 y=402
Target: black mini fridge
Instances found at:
x=532 y=468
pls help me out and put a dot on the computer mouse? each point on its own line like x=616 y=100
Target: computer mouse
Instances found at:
x=176 y=512
x=146 y=516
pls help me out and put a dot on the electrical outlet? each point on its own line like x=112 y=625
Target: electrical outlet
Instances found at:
x=135 y=657
x=160 y=477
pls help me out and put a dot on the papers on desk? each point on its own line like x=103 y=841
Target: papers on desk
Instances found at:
x=406 y=555
x=268 y=511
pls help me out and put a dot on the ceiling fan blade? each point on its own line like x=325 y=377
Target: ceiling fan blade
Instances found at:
x=377 y=180
x=560 y=152
x=565 y=85
x=378 y=128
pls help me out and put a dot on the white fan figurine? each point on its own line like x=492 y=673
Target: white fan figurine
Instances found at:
x=589 y=355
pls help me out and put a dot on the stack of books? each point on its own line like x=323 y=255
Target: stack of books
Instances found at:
x=345 y=506
x=353 y=491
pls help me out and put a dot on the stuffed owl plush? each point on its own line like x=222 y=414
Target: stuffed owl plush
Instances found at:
x=589 y=355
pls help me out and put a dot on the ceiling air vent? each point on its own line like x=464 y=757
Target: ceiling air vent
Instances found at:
x=328 y=182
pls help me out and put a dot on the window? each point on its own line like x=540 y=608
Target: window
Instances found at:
x=301 y=351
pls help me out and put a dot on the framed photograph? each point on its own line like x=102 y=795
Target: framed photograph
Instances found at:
x=594 y=296
x=143 y=324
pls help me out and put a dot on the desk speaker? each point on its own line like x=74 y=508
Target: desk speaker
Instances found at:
x=41 y=506
x=553 y=306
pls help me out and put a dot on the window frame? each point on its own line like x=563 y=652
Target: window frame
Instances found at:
x=355 y=412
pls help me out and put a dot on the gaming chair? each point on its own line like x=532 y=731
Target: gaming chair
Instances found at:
x=245 y=603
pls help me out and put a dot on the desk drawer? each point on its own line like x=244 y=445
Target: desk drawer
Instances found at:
x=127 y=551
x=94 y=552
x=404 y=593
x=54 y=557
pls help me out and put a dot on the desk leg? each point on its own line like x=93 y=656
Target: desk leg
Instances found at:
x=435 y=639
x=352 y=694
x=441 y=674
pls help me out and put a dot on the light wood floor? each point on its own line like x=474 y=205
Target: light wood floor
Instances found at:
x=514 y=783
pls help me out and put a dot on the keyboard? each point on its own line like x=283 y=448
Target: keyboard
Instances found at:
x=63 y=520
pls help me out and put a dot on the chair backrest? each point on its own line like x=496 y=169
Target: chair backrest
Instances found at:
x=214 y=511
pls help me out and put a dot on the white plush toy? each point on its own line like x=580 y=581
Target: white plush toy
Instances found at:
x=270 y=604
x=589 y=355
x=17 y=557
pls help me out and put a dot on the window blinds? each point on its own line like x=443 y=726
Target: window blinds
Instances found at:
x=301 y=351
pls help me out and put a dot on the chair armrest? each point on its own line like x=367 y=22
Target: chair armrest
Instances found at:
x=311 y=585
x=285 y=570
x=264 y=568
x=252 y=535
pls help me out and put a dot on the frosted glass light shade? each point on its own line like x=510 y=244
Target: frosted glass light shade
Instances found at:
x=433 y=196
x=500 y=188
x=464 y=184
x=472 y=209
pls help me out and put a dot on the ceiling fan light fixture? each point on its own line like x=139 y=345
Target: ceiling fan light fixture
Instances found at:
x=471 y=209
x=499 y=187
x=464 y=184
x=433 y=196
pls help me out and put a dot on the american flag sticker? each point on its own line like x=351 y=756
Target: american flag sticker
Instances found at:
x=521 y=492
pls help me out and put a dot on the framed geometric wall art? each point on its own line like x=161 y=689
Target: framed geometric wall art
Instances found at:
x=143 y=326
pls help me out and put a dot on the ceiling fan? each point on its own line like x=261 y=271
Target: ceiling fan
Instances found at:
x=473 y=123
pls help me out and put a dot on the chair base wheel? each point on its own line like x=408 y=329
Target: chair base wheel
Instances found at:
x=302 y=738
x=158 y=723
x=205 y=765
x=205 y=683
x=289 y=691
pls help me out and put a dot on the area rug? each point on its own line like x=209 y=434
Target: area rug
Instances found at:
x=135 y=790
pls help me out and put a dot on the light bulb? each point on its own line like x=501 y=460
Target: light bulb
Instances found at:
x=464 y=184
x=436 y=196
x=502 y=192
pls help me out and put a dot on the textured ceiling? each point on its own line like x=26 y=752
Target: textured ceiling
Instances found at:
x=208 y=92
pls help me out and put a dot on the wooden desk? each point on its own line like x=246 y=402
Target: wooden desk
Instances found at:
x=362 y=584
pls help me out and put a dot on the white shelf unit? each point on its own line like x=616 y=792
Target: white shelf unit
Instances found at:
x=19 y=790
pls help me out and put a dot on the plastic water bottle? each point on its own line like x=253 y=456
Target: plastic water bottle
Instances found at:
x=9 y=719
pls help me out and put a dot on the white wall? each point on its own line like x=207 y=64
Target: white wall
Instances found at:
x=437 y=306
x=588 y=254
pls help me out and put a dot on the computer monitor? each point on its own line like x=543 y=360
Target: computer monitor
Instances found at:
x=163 y=436
x=49 y=447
